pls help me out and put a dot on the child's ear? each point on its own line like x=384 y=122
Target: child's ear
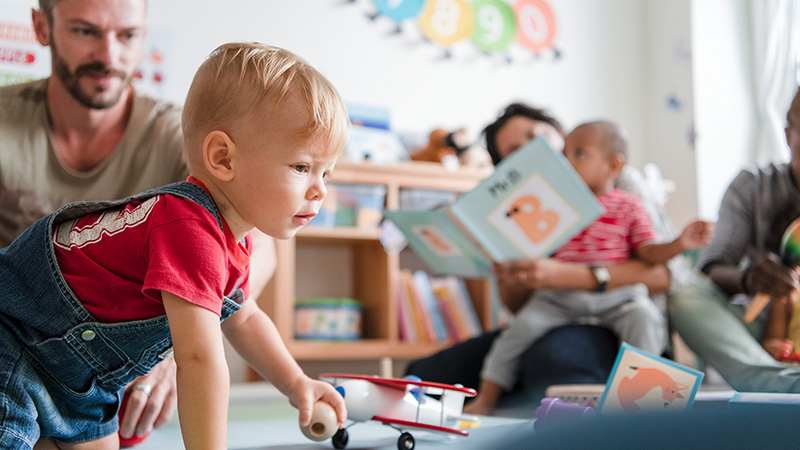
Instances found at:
x=617 y=163
x=219 y=152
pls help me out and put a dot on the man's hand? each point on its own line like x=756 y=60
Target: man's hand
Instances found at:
x=769 y=276
x=145 y=412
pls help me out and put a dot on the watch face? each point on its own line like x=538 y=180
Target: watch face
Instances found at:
x=601 y=274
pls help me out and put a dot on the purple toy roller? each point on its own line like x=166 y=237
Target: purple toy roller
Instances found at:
x=555 y=409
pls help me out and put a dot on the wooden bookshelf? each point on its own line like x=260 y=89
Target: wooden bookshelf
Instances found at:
x=363 y=266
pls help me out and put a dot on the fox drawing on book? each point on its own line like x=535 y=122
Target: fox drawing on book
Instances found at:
x=632 y=389
x=537 y=223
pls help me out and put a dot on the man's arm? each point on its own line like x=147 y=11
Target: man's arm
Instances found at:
x=766 y=276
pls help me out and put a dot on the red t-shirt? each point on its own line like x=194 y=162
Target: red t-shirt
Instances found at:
x=117 y=262
x=614 y=236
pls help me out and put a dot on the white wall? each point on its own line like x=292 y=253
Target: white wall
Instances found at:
x=722 y=82
x=598 y=76
x=669 y=102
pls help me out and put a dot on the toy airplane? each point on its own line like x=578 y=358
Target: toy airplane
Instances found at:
x=401 y=404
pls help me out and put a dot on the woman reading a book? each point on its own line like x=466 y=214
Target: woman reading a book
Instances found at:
x=569 y=354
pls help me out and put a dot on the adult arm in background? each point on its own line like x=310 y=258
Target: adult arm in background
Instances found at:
x=517 y=280
x=740 y=236
x=144 y=413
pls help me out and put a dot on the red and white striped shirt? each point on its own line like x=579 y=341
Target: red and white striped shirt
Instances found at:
x=614 y=236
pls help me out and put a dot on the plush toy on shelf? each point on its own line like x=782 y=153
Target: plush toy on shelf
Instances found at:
x=452 y=149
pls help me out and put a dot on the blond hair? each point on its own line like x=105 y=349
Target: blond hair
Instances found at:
x=237 y=79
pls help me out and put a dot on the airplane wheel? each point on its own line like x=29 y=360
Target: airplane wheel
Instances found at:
x=339 y=440
x=405 y=442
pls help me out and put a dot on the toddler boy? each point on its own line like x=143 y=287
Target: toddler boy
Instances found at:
x=597 y=151
x=96 y=294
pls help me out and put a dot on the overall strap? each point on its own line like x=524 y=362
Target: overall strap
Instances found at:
x=183 y=189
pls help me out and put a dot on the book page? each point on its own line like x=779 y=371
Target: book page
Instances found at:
x=530 y=205
x=440 y=243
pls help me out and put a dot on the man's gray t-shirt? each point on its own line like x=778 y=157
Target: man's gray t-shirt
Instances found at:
x=758 y=206
x=34 y=183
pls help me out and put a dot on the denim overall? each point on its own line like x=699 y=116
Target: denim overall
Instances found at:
x=61 y=372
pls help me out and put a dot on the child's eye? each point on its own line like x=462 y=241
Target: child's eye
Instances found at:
x=301 y=168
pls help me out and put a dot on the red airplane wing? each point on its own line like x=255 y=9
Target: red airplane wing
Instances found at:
x=422 y=426
x=400 y=383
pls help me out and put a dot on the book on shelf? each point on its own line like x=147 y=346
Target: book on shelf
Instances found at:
x=429 y=306
x=408 y=327
x=422 y=325
x=434 y=309
x=533 y=202
x=454 y=302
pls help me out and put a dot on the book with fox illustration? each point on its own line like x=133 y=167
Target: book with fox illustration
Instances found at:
x=640 y=381
x=533 y=202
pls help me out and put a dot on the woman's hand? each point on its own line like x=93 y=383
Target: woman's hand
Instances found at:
x=532 y=274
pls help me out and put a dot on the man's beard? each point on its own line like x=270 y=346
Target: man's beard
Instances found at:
x=71 y=81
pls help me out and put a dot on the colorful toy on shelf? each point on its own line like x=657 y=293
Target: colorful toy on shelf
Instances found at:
x=402 y=404
x=452 y=149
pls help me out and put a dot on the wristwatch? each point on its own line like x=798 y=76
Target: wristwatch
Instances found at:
x=602 y=276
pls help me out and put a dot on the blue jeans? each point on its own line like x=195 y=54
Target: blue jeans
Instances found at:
x=61 y=371
x=713 y=328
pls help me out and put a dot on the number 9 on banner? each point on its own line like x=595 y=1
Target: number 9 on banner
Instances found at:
x=446 y=21
x=495 y=25
x=536 y=24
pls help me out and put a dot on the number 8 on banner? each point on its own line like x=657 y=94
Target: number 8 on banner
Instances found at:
x=446 y=21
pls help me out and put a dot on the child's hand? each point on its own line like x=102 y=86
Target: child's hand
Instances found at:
x=697 y=234
x=304 y=392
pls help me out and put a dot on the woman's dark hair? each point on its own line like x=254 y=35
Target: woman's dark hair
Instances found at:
x=515 y=109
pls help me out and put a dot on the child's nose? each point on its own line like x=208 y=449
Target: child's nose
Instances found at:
x=317 y=191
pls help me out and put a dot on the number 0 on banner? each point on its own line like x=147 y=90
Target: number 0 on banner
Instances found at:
x=536 y=24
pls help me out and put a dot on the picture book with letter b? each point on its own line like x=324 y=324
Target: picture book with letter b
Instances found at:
x=533 y=202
